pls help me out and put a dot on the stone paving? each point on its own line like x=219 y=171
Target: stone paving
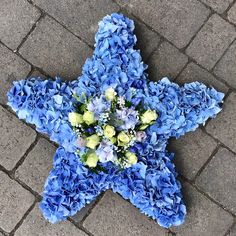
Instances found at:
x=186 y=40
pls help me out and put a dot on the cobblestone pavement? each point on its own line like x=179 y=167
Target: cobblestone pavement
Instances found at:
x=186 y=40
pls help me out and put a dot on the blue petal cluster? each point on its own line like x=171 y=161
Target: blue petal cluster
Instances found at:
x=46 y=104
x=151 y=184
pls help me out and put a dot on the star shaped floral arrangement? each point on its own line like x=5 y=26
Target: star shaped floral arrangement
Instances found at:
x=112 y=125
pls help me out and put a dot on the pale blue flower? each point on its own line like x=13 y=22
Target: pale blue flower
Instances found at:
x=128 y=117
x=106 y=152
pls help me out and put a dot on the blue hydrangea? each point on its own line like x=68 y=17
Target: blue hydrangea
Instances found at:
x=129 y=118
x=151 y=184
x=106 y=152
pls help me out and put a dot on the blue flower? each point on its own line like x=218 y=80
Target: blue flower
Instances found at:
x=128 y=117
x=98 y=106
x=105 y=151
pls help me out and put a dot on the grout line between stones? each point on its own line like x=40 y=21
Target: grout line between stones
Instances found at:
x=231 y=227
x=41 y=135
x=180 y=72
x=19 y=55
x=80 y=227
x=31 y=30
x=222 y=144
x=46 y=13
x=206 y=163
x=3 y=232
x=92 y=208
x=22 y=159
x=222 y=15
x=23 y=218
x=206 y=195
x=12 y=177
x=191 y=40
x=217 y=62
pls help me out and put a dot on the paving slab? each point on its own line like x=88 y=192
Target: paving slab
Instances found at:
x=223 y=127
x=80 y=16
x=218 y=5
x=191 y=152
x=12 y=68
x=232 y=14
x=14 y=202
x=166 y=61
x=42 y=227
x=204 y=217
x=178 y=21
x=67 y=53
x=37 y=165
x=115 y=216
x=193 y=73
x=17 y=18
x=226 y=68
x=218 y=179
x=211 y=41
x=15 y=139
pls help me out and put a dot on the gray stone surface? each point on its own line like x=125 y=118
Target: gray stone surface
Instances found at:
x=36 y=225
x=178 y=21
x=17 y=18
x=218 y=179
x=223 y=127
x=191 y=152
x=147 y=39
x=193 y=73
x=218 y=5
x=115 y=216
x=211 y=41
x=232 y=14
x=226 y=68
x=12 y=68
x=15 y=139
x=37 y=74
x=56 y=50
x=166 y=61
x=37 y=165
x=14 y=203
x=204 y=217
x=80 y=216
x=232 y=231
x=80 y=16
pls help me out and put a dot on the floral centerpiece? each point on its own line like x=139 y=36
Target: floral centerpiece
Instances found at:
x=107 y=128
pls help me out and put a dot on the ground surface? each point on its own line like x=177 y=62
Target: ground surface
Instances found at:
x=186 y=40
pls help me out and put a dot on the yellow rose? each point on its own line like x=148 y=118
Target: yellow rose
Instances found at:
x=109 y=131
x=148 y=116
x=75 y=118
x=92 y=141
x=88 y=117
x=123 y=138
x=92 y=160
x=143 y=127
x=131 y=158
x=110 y=94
